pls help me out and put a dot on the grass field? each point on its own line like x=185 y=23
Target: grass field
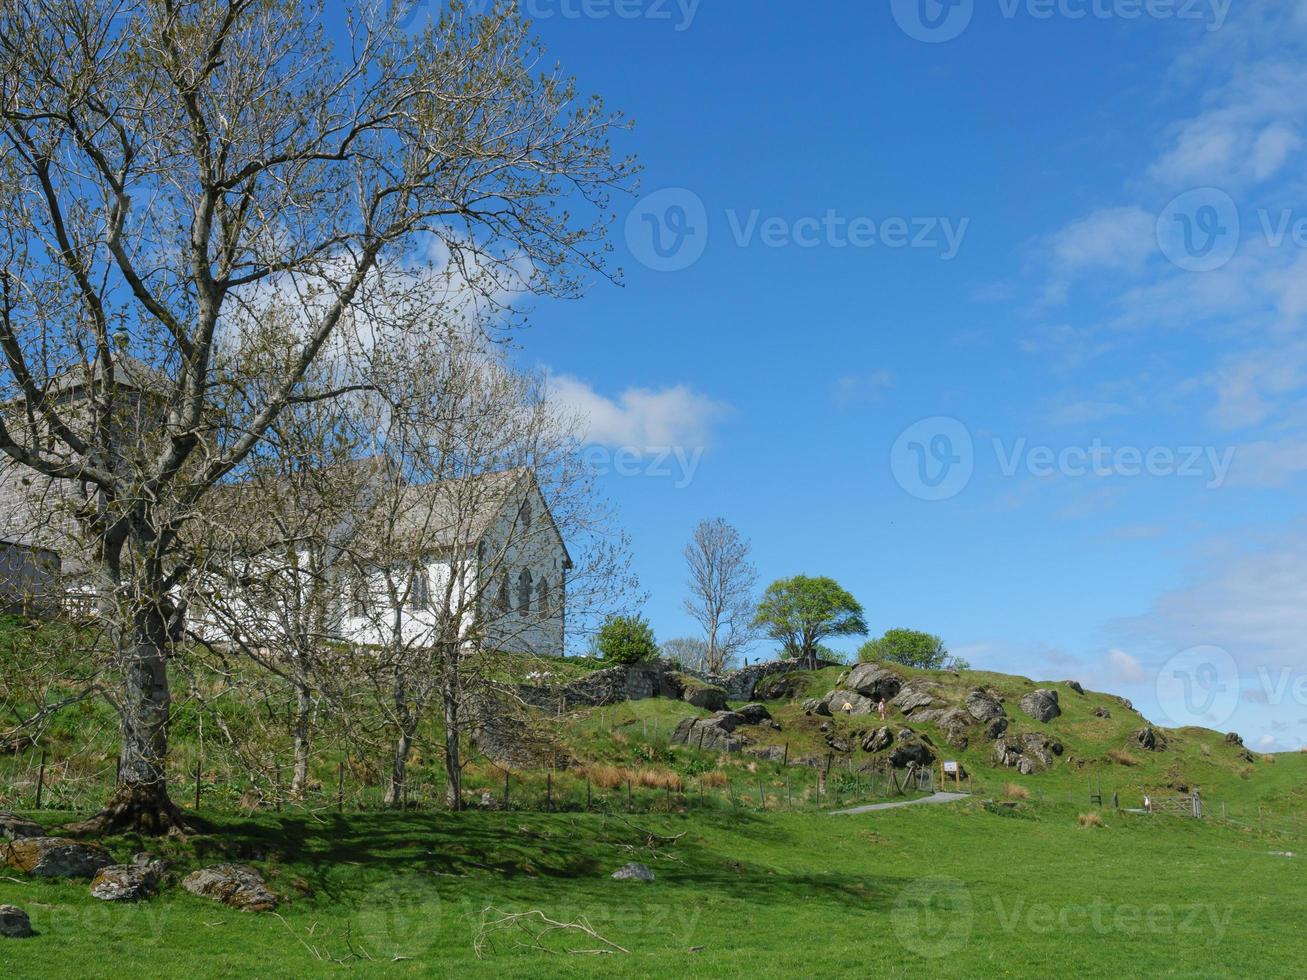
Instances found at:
x=956 y=890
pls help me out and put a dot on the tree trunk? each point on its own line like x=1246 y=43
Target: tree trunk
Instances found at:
x=303 y=708
x=404 y=722
x=141 y=802
x=453 y=763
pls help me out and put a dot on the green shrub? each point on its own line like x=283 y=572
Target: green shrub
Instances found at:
x=626 y=640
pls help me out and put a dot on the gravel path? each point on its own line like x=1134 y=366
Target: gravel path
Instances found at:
x=937 y=798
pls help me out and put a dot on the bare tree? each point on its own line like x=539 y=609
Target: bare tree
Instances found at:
x=722 y=583
x=178 y=175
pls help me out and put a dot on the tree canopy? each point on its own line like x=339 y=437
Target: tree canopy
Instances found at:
x=803 y=611
x=912 y=648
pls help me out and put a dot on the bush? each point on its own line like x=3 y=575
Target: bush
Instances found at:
x=1014 y=792
x=1088 y=820
x=626 y=640
x=911 y=648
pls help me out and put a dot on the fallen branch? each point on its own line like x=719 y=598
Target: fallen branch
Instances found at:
x=532 y=928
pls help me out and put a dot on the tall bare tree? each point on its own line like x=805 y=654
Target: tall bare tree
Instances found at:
x=722 y=583
x=176 y=175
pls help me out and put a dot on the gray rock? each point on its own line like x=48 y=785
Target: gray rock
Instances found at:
x=913 y=698
x=1029 y=752
x=712 y=734
x=127 y=882
x=237 y=885
x=956 y=726
x=874 y=681
x=1075 y=686
x=1026 y=766
x=1040 y=747
x=1041 y=705
x=706 y=697
x=1150 y=738
x=55 y=857
x=844 y=702
x=1234 y=738
x=813 y=706
x=878 y=741
x=996 y=728
x=783 y=687
x=1102 y=712
x=14 y=923
x=14 y=827
x=983 y=706
x=633 y=872
x=753 y=714
x=911 y=748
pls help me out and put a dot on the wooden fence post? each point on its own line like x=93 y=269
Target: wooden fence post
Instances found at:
x=340 y=787
x=198 y=763
x=549 y=789
x=505 y=789
x=40 y=780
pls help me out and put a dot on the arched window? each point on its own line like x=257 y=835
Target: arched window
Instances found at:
x=526 y=515
x=419 y=589
x=524 y=591
x=542 y=597
x=501 y=594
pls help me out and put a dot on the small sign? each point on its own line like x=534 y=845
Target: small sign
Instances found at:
x=950 y=766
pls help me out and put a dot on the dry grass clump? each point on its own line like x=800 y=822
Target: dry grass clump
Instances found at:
x=606 y=776
x=713 y=780
x=657 y=779
x=1122 y=757
x=1014 y=792
x=1088 y=820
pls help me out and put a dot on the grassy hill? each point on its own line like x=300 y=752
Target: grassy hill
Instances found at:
x=755 y=873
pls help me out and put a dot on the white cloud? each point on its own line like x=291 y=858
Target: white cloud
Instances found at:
x=1119 y=238
x=1125 y=668
x=642 y=418
x=852 y=388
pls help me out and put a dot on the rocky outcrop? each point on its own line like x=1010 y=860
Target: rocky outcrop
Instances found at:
x=874 y=681
x=705 y=696
x=984 y=706
x=237 y=885
x=844 y=702
x=716 y=733
x=911 y=747
x=14 y=827
x=878 y=740
x=55 y=857
x=996 y=728
x=1075 y=686
x=129 y=882
x=1101 y=712
x=1028 y=752
x=14 y=923
x=915 y=695
x=1041 y=705
x=754 y=714
x=504 y=733
x=1234 y=738
x=1150 y=738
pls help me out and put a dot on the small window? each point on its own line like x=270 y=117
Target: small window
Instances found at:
x=526 y=515
x=360 y=597
x=501 y=594
x=524 y=591
x=542 y=597
x=419 y=590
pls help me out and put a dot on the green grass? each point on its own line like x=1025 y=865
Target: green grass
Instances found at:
x=939 y=891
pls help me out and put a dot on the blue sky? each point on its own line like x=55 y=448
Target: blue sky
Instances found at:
x=1051 y=271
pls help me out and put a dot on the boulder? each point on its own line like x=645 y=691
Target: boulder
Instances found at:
x=1040 y=747
x=753 y=714
x=983 y=706
x=14 y=827
x=1233 y=738
x=705 y=696
x=913 y=697
x=878 y=741
x=712 y=734
x=633 y=872
x=1150 y=738
x=1006 y=753
x=14 y=923
x=956 y=726
x=783 y=687
x=1102 y=713
x=1041 y=705
x=1075 y=686
x=1028 y=752
x=874 y=681
x=911 y=748
x=56 y=857
x=838 y=744
x=769 y=753
x=844 y=702
x=995 y=728
x=237 y=885
x=128 y=882
x=813 y=706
